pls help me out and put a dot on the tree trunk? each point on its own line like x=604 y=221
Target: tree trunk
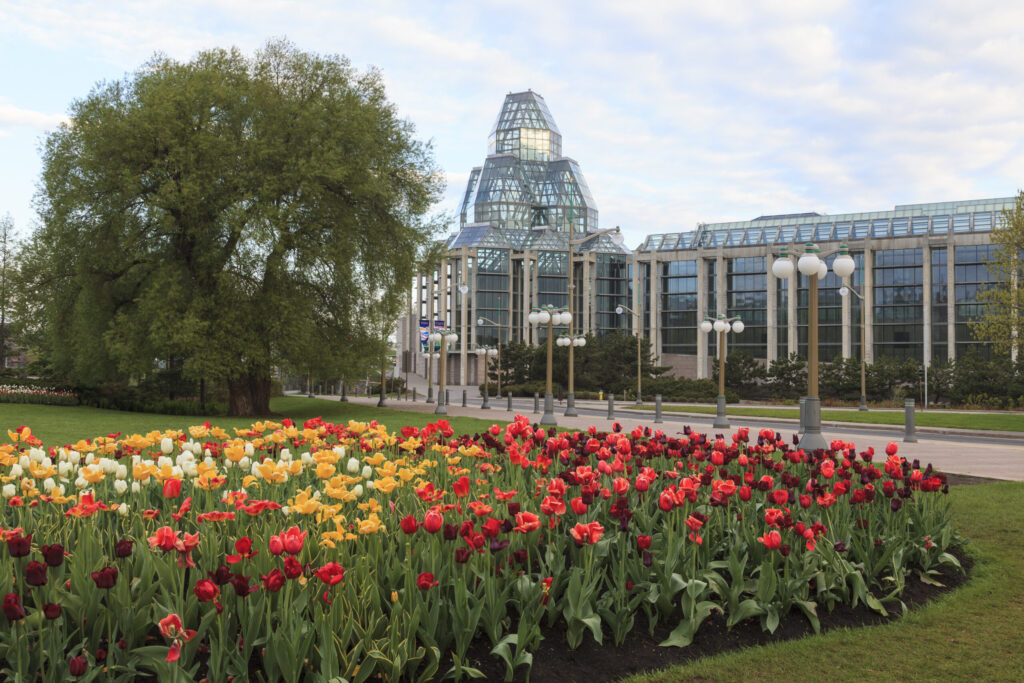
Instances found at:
x=249 y=395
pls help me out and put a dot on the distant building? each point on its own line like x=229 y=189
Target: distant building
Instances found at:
x=920 y=268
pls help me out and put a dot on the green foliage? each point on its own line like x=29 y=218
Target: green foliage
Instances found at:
x=787 y=377
x=263 y=212
x=1002 y=322
x=607 y=363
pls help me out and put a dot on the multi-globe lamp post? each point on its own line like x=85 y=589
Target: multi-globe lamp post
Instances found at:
x=551 y=316
x=721 y=325
x=485 y=353
x=480 y=322
x=444 y=337
x=812 y=265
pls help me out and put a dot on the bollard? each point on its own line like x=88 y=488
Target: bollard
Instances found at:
x=447 y=397
x=803 y=417
x=536 y=402
x=510 y=401
x=657 y=409
x=414 y=394
x=611 y=406
x=909 y=431
x=463 y=398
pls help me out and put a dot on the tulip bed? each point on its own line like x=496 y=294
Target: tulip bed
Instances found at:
x=319 y=551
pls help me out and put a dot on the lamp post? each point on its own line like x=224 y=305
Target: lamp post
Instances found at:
x=620 y=310
x=480 y=321
x=445 y=336
x=846 y=291
x=550 y=316
x=721 y=325
x=486 y=352
x=811 y=265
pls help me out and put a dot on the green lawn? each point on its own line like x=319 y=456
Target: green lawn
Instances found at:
x=973 y=633
x=62 y=425
x=1009 y=422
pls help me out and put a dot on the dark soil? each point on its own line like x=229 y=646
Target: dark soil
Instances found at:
x=962 y=479
x=554 y=662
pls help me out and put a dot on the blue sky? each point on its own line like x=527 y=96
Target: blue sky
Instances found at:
x=678 y=112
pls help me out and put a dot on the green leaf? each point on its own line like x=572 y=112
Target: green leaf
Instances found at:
x=747 y=609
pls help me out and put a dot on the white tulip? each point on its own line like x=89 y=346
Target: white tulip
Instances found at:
x=16 y=470
x=63 y=467
x=121 y=472
x=62 y=454
x=136 y=487
x=163 y=461
x=36 y=454
x=122 y=509
x=8 y=491
x=120 y=486
x=178 y=472
x=352 y=466
x=166 y=445
x=49 y=484
x=81 y=483
x=357 y=490
x=207 y=453
x=255 y=468
x=74 y=457
x=286 y=455
x=244 y=463
x=24 y=461
x=249 y=450
x=286 y=511
x=306 y=458
x=367 y=472
x=339 y=451
x=369 y=484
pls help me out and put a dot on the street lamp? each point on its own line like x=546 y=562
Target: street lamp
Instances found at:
x=620 y=310
x=550 y=316
x=721 y=325
x=846 y=291
x=485 y=352
x=445 y=336
x=811 y=265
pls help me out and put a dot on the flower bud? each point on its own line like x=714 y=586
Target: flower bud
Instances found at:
x=352 y=466
x=166 y=445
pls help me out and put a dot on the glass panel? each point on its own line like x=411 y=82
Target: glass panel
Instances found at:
x=805 y=233
x=842 y=231
x=961 y=222
x=880 y=228
x=753 y=236
x=982 y=222
x=860 y=229
x=769 y=235
x=823 y=232
x=900 y=227
x=940 y=225
x=786 y=233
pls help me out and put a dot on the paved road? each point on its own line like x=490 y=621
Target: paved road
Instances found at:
x=998 y=455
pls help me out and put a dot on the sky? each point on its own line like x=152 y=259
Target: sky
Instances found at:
x=678 y=112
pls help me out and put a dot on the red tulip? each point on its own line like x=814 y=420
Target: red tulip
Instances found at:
x=666 y=501
x=587 y=533
x=52 y=610
x=18 y=545
x=425 y=581
x=105 y=578
x=643 y=542
x=53 y=554
x=331 y=573
x=206 y=590
x=409 y=524
x=771 y=540
x=527 y=522
x=77 y=666
x=432 y=521
x=172 y=488
x=274 y=581
x=292 y=568
x=578 y=506
x=461 y=487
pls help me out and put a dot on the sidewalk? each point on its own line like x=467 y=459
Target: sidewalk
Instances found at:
x=988 y=455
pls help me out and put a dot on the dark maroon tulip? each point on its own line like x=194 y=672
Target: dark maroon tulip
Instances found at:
x=123 y=548
x=222 y=576
x=241 y=585
x=12 y=608
x=77 y=666
x=52 y=610
x=19 y=546
x=462 y=555
x=53 y=554
x=105 y=578
x=35 y=573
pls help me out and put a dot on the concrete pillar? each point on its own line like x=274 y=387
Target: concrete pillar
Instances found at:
x=428 y=366
x=638 y=295
x=847 y=304
x=772 y=312
x=588 y=294
x=792 y=324
x=655 y=311
x=464 y=317
x=527 y=295
x=721 y=296
x=869 y=306
x=702 y=312
x=926 y=286
x=950 y=301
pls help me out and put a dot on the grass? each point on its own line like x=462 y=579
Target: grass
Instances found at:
x=1008 y=422
x=66 y=425
x=972 y=633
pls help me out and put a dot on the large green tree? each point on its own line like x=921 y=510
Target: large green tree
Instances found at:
x=1002 y=321
x=228 y=215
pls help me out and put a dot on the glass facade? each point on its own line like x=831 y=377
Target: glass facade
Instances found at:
x=898 y=301
x=491 y=295
x=611 y=289
x=748 y=299
x=940 y=303
x=679 y=307
x=972 y=276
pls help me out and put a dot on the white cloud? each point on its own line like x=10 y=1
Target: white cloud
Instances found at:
x=12 y=116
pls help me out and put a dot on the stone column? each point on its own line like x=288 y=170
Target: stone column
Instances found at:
x=431 y=317
x=721 y=297
x=655 y=312
x=463 y=316
x=588 y=323
x=792 y=324
x=527 y=296
x=926 y=299
x=771 y=314
x=869 y=306
x=702 y=312
x=950 y=300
